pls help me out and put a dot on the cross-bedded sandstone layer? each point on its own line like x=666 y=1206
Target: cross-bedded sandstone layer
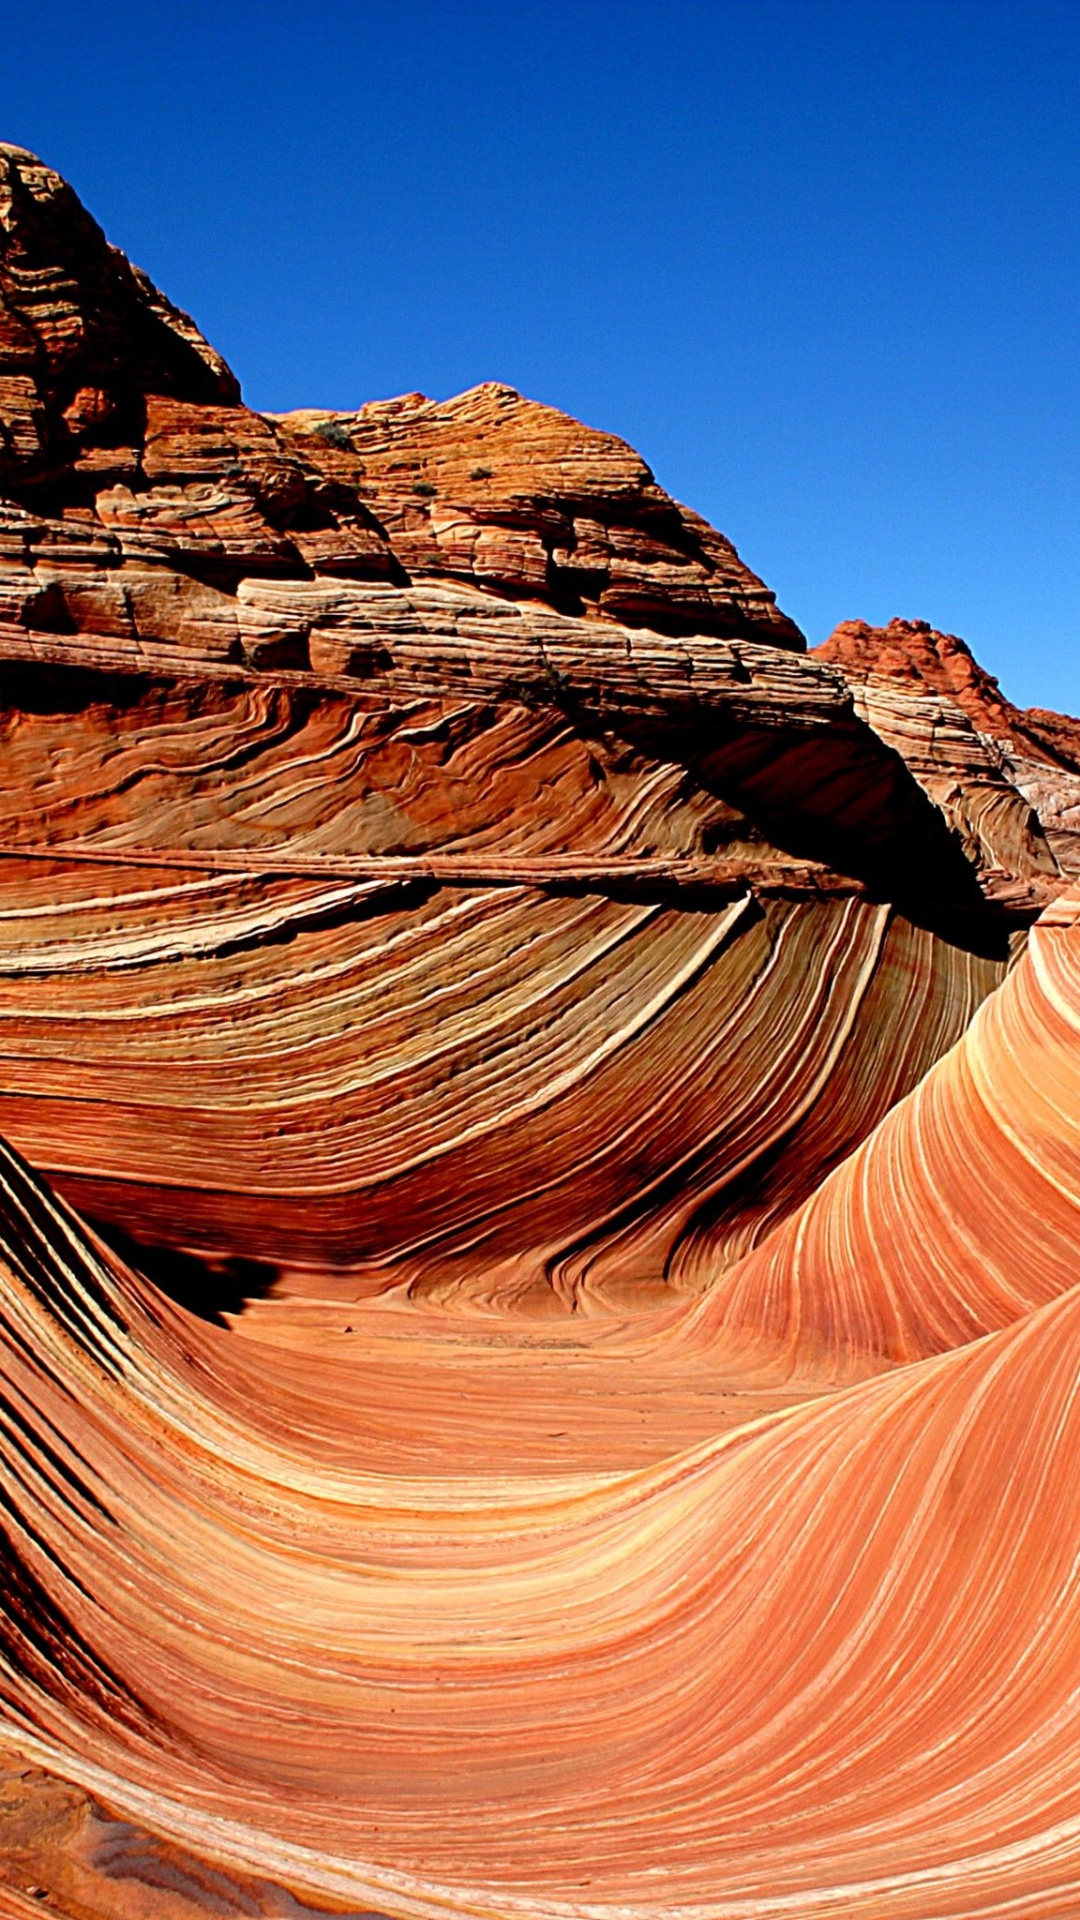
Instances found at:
x=823 y=1663
x=536 y=1227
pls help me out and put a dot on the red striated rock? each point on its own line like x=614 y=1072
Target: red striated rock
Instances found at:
x=556 y=1394
x=1008 y=781
x=597 y=911
x=278 y=1639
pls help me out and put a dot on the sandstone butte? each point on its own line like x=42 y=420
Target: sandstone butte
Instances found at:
x=539 y=1184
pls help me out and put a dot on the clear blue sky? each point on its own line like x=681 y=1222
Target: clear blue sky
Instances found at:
x=818 y=261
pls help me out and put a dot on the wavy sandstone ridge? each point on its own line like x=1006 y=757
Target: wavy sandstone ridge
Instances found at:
x=824 y=1665
x=538 y=1181
x=922 y=1240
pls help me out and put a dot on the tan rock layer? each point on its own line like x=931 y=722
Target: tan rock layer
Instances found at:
x=974 y=1173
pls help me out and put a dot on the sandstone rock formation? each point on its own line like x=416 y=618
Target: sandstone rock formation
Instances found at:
x=1008 y=781
x=539 y=1178
x=372 y=1682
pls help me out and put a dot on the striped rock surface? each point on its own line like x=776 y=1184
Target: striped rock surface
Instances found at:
x=1007 y=779
x=448 y=995
x=538 y=1179
x=822 y=1664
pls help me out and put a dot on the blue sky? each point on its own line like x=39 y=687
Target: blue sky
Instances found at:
x=817 y=261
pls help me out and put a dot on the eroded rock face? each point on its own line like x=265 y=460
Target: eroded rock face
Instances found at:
x=538 y=1207
x=118 y=421
x=502 y=492
x=84 y=336
x=1007 y=780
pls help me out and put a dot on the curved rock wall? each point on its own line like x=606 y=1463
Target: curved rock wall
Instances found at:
x=827 y=1661
x=539 y=1180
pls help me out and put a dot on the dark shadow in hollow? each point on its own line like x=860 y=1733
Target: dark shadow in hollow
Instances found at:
x=207 y=1285
x=834 y=794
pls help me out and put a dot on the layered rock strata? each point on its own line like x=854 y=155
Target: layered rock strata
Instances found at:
x=536 y=1222
x=826 y=1661
x=1006 y=779
x=266 y=785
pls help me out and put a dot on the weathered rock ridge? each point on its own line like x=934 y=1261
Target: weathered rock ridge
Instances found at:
x=1007 y=780
x=539 y=1128
x=120 y=423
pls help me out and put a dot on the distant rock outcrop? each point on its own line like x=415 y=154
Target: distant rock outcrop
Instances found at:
x=1007 y=779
